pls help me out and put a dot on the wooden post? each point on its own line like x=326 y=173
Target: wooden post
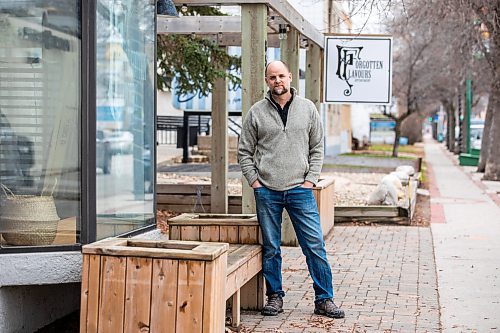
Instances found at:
x=314 y=59
x=253 y=64
x=313 y=92
x=289 y=48
x=219 y=157
x=235 y=311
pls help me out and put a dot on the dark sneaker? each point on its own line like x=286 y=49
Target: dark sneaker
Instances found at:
x=329 y=309
x=273 y=306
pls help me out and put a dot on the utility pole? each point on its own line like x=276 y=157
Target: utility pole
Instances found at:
x=468 y=111
x=460 y=125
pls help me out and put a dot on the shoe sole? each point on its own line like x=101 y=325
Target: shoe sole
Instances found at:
x=269 y=313
x=323 y=313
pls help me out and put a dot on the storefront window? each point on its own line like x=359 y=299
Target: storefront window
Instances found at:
x=40 y=164
x=125 y=115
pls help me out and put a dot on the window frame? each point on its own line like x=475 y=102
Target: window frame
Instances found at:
x=87 y=223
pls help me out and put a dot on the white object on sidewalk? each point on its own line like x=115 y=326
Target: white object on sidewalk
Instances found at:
x=402 y=176
x=387 y=192
x=408 y=169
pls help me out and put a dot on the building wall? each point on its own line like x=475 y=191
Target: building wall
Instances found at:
x=25 y=309
x=38 y=288
x=164 y=104
x=345 y=128
x=332 y=129
x=336 y=118
x=360 y=120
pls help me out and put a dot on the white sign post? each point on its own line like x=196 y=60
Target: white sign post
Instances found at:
x=358 y=69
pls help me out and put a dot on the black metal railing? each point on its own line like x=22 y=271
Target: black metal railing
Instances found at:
x=169 y=129
x=183 y=130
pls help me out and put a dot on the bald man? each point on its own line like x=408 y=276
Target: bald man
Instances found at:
x=281 y=154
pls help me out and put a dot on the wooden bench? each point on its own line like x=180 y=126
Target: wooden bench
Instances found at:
x=244 y=281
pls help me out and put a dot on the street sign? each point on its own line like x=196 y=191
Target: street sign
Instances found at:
x=358 y=69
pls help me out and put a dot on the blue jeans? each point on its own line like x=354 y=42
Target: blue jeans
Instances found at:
x=302 y=209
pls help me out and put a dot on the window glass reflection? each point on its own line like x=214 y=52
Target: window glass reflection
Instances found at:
x=125 y=115
x=40 y=56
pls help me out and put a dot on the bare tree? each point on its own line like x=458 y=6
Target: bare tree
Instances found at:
x=411 y=49
x=479 y=44
x=489 y=43
x=438 y=45
x=463 y=46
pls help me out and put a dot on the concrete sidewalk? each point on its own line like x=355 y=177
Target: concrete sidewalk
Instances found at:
x=466 y=233
x=385 y=280
x=408 y=279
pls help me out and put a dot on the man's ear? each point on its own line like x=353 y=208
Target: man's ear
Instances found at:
x=290 y=75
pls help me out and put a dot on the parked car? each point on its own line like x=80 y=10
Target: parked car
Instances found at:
x=16 y=156
x=103 y=153
x=148 y=172
x=120 y=142
x=476 y=133
x=65 y=20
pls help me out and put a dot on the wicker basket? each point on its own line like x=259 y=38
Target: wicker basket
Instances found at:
x=28 y=219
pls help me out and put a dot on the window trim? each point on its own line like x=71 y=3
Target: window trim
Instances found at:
x=88 y=124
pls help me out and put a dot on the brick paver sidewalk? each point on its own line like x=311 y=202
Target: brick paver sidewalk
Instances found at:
x=385 y=280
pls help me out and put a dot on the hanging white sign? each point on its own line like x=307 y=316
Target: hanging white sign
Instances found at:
x=358 y=69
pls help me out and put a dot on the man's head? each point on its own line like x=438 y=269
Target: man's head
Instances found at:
x=278 y=78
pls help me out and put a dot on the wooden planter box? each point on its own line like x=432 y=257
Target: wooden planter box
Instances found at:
x=153 y=286
x=323 y=193
x=183 y=198
x=387 y=214
x=244 y=284
x=230 y=228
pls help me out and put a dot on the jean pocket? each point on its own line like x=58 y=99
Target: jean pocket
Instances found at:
x=258 y=189
x=304 y=188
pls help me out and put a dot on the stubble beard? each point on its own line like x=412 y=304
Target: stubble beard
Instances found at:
x=278 y=91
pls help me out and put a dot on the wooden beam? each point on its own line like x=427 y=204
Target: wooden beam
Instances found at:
x=219 y=157
x=290 y=54
x=234 y=39
x=366 y=211
x=314 y=60
x=198 y=24
x=283 y=8
x=253 y=63
x=223 y=30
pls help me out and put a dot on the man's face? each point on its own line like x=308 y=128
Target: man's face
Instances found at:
x=278 y=78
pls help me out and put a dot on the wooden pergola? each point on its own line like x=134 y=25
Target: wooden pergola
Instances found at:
x=257 y=28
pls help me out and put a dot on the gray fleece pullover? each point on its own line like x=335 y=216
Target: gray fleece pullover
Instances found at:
x=281 y=157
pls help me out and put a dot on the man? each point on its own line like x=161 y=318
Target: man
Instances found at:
x=281 y=153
